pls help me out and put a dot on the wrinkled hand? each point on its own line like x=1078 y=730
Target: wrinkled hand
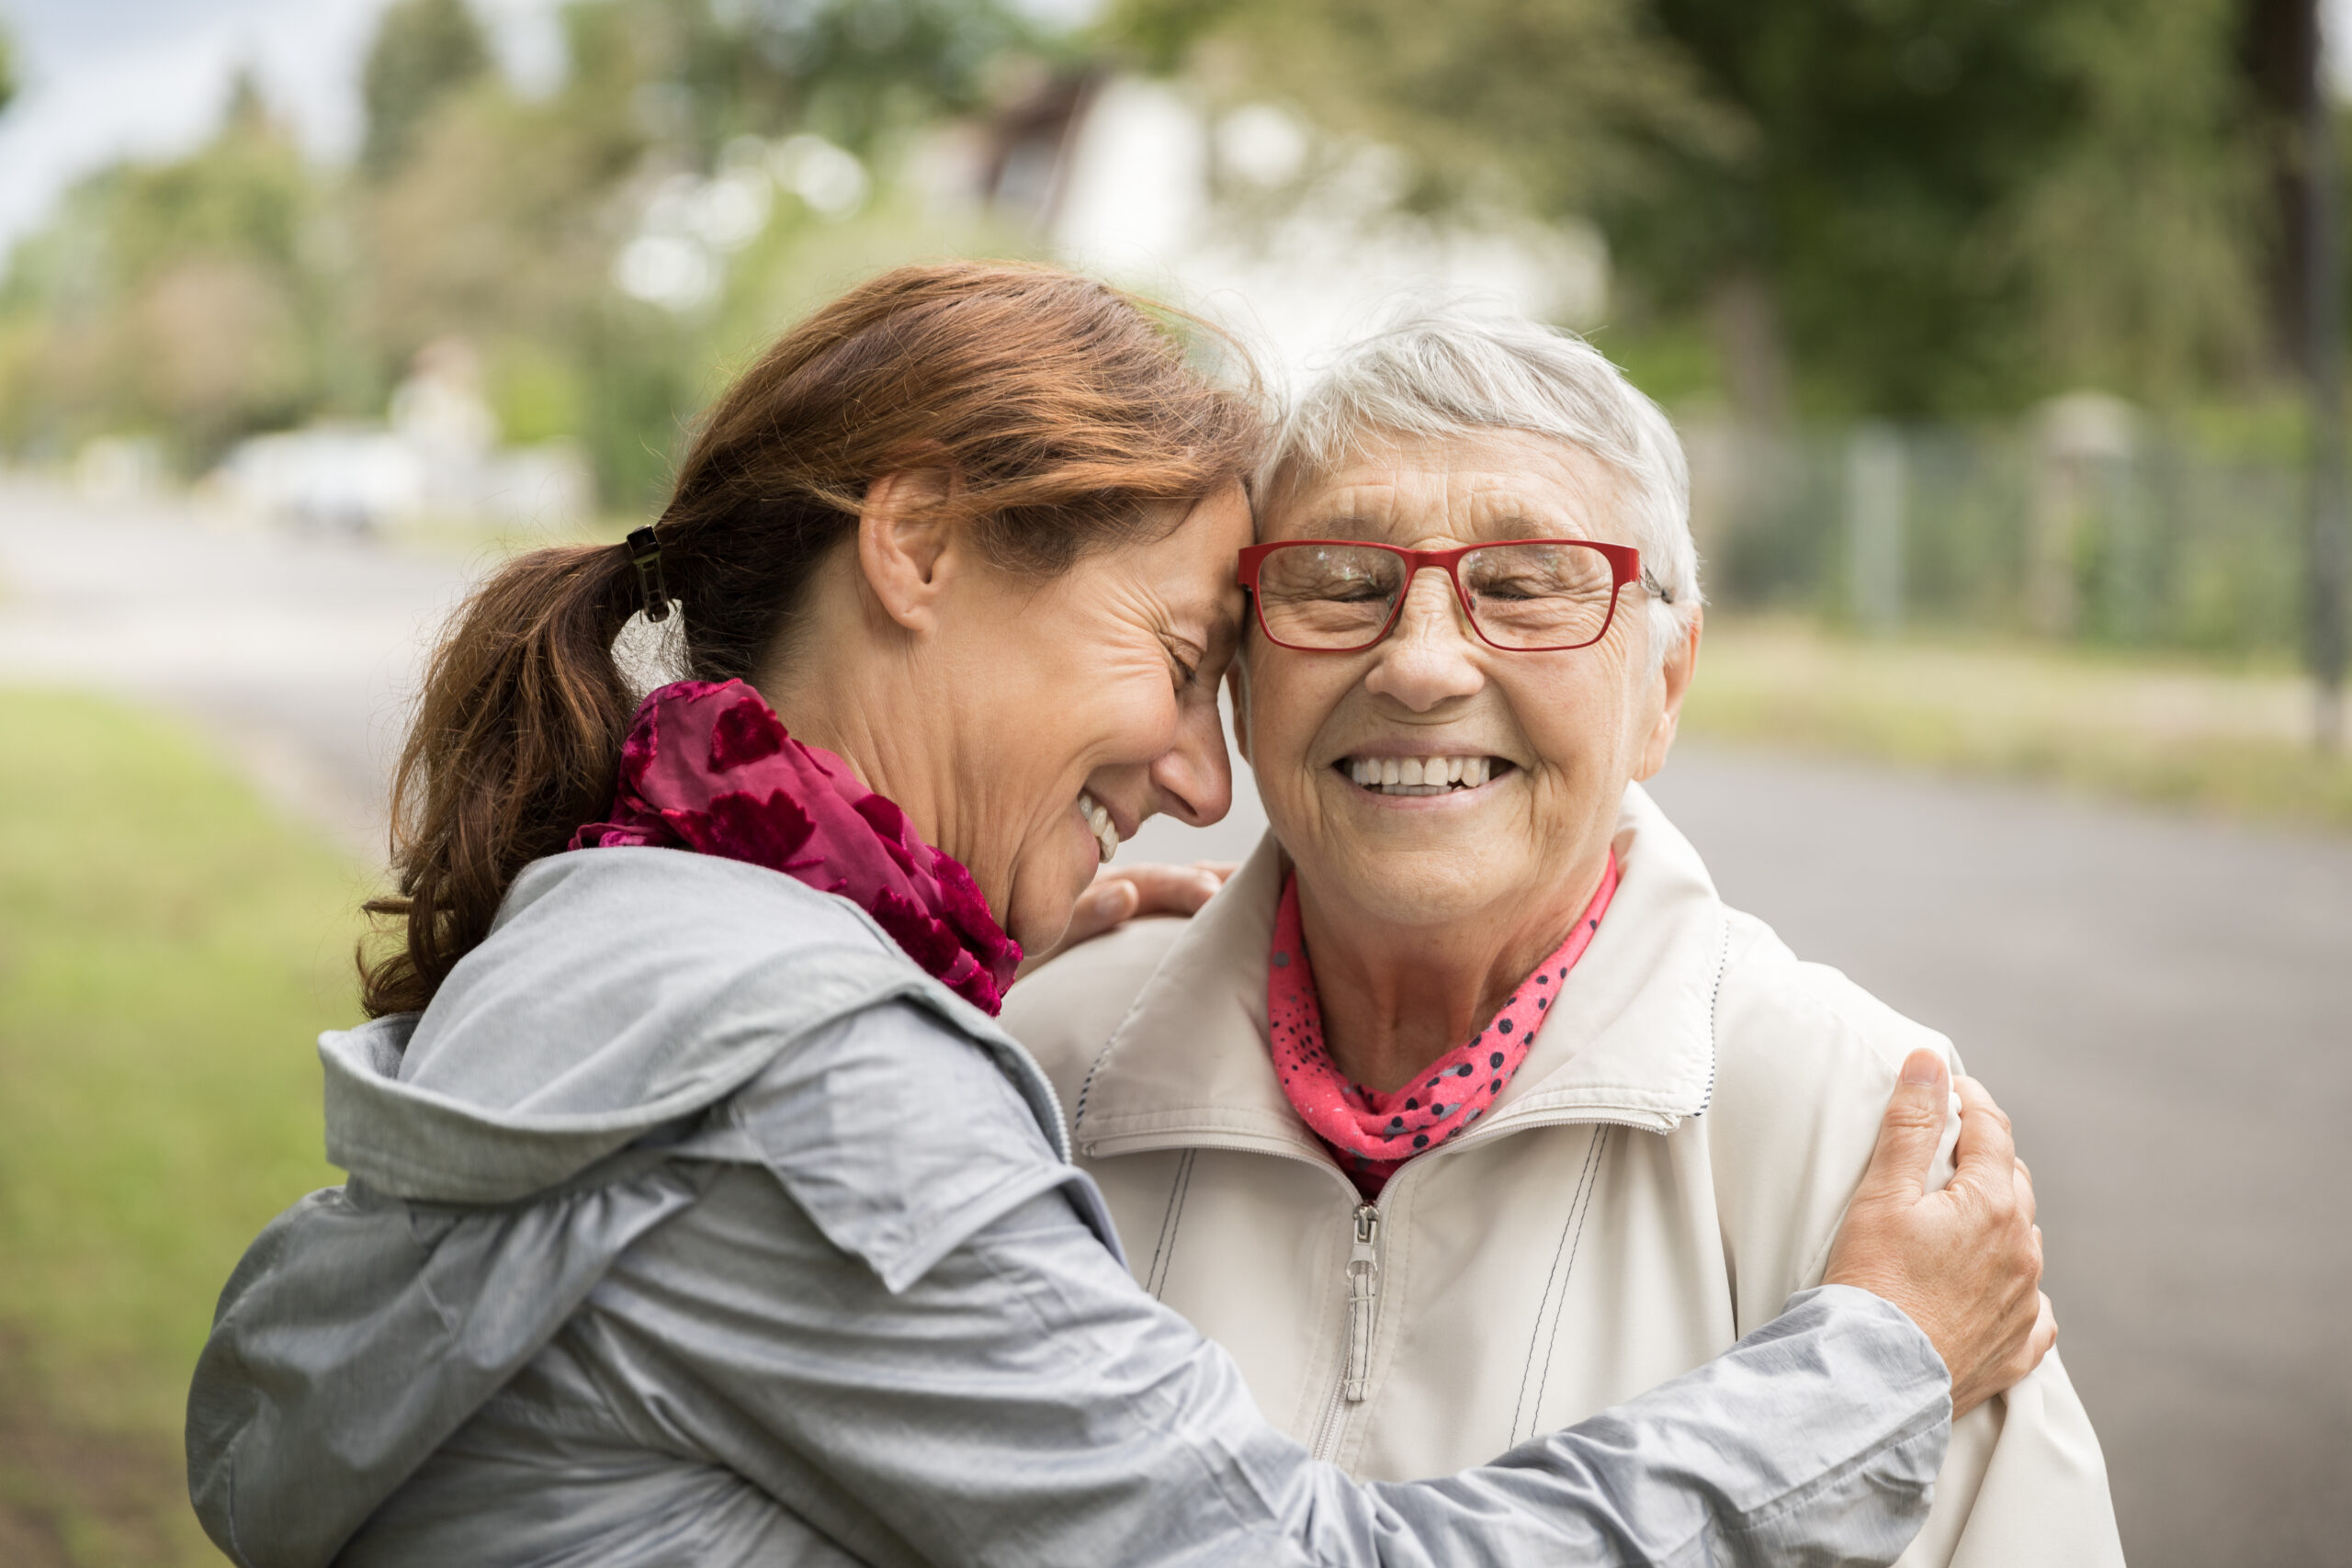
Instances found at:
x=1964 y=1263
x=1119 y=894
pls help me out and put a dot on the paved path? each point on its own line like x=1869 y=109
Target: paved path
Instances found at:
x=298 y=653
x=2164 y=1004
x=2165 y=1008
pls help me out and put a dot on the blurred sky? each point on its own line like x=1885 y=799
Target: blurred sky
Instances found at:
x=103 y=78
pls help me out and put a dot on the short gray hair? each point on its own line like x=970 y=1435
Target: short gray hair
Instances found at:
x=1443 y=368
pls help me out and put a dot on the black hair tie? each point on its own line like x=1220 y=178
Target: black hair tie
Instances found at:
x=645 y=550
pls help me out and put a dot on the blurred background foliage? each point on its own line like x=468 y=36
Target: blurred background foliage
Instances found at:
x=1901 y=208
x=242 y=289
x=1932 y=216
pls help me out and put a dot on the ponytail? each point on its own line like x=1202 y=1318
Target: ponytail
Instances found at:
x=517 y=741
x=1072 y=417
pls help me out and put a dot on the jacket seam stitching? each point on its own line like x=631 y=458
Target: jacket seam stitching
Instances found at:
x=1553 y=1300
x=1584 y=1210
x=1163 y=1250
x=1086 y=1088
x=1714 y=1009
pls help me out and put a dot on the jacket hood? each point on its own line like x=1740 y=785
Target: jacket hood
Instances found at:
x=504 y=1146
x=620 y=991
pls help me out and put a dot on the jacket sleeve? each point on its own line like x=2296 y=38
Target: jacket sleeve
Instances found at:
x=1807 y=1060
x=2024 y=1485
x=1017 y=1398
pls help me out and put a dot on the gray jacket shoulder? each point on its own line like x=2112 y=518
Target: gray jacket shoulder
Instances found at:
x=636 y=1020
x=620 y=991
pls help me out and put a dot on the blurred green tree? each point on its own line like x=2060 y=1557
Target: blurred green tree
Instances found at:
x=1901 y=207
x=425 y=51
x=191 y=300
x=238 y=289
x=503 y=219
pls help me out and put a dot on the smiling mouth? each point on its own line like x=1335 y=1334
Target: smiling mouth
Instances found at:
x=1098 y=822
x=1421 y=775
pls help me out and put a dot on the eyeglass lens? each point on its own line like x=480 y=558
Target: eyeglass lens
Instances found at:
x=1546 y=594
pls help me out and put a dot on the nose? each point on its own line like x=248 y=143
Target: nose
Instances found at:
x=1194 y=777
x=1431 y=655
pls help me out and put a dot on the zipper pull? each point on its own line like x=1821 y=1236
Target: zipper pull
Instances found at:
x=1363 y=1291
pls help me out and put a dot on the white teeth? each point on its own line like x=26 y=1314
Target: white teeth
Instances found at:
x=1098 y=822
x=1419 y=775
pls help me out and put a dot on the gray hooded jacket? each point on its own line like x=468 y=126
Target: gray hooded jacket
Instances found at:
x=693 y=1224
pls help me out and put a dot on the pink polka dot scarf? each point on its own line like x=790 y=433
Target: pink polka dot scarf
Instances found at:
x=1373 y=1133
x=709 y=768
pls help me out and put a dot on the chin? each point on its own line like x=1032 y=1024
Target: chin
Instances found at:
x=1039 y=910
x=1429 y=886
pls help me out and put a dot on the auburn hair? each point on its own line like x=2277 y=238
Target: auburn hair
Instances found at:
x=1069 y=414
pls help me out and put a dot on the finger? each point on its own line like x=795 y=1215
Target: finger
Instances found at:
x=1168 y=889
x=1985 y=1157
x=1222 y=870
x=1100 y=908
x=2045 y=1331
x=1907 y=1134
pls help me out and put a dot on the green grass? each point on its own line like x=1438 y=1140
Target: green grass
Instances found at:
x=168 y=952
x=2174 y=733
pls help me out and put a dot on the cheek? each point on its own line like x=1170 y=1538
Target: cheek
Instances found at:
x=1141 y=716
x=1576 y=720
x=1288 y=707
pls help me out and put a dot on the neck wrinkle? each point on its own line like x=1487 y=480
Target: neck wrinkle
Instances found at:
x=828 y=707
x=1394 y=999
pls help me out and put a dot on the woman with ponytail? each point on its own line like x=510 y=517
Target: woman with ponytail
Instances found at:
x=700 y=1213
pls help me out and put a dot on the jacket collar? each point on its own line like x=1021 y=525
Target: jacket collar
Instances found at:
x=1629 y=1039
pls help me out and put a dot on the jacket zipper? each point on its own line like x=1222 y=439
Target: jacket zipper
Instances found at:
x=1364 y=1295
x=1363 y=1250
x=1364 y=1301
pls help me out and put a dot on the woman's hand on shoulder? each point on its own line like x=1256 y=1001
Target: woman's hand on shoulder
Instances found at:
x=1121 y=893
x=1963 y=1263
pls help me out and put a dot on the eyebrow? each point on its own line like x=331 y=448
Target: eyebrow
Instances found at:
x=1509 y=526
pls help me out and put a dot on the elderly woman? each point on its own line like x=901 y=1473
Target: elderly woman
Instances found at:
x=1468 y=1108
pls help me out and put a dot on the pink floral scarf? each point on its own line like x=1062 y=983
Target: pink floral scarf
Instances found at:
x=1373 y=1134
x=708 y=768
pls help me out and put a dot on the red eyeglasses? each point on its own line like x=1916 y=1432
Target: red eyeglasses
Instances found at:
x=1521 y=595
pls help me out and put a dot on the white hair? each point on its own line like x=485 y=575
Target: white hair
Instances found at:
x=1443 y=368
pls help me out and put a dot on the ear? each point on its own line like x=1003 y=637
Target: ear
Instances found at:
x=908 y=546
x=1674 y=678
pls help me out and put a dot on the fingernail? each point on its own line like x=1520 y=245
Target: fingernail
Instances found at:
x=1922 y=1066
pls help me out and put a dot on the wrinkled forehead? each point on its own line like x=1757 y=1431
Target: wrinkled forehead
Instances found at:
x=1421 y=489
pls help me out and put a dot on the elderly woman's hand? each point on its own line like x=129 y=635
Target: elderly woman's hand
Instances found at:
x=1119 y=894
x=1964 y=1263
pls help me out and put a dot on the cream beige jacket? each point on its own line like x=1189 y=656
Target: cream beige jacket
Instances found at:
x=1669 y=1166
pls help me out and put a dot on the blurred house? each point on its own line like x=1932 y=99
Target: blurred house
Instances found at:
x=1245 y=214
x=437 y=458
